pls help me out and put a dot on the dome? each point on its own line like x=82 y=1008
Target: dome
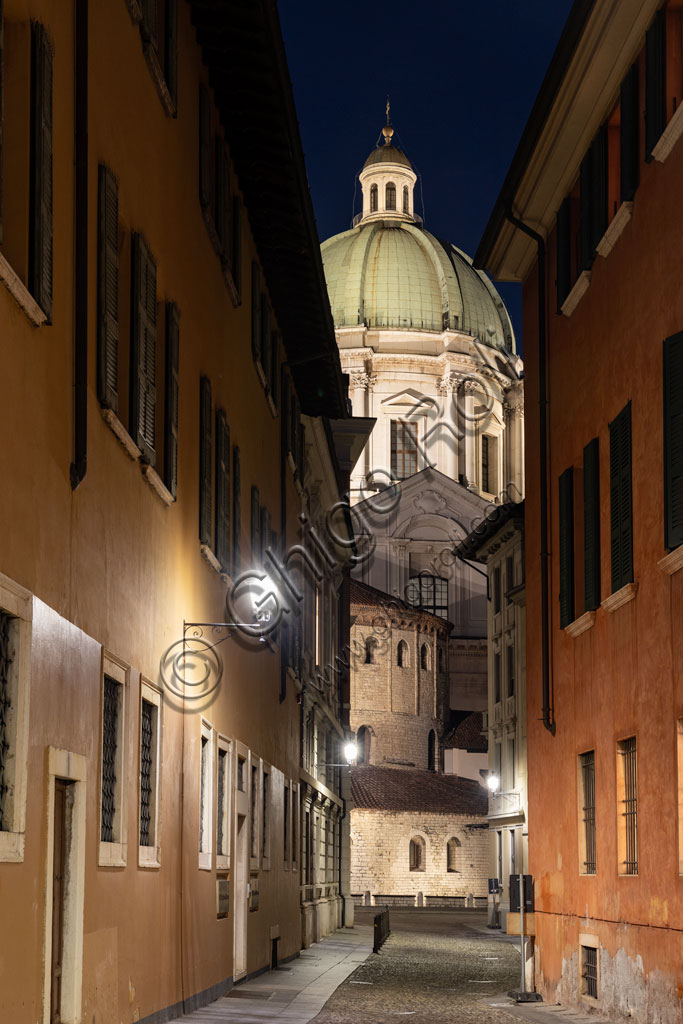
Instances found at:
x=394 y=274
x=387 y=155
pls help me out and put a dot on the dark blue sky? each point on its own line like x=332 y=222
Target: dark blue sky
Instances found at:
x=462 y=78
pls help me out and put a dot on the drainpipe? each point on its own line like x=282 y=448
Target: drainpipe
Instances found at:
x=80 y=462
x=547 y=709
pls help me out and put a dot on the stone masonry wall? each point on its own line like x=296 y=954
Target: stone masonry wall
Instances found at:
x=380 y=853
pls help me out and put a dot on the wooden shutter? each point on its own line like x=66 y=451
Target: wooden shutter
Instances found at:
x=171 y=48
x=628 y=135
x=566 y=506
x=2 y=47
x=586 y=211
x=236 y=511
x=655 y=79
x=255 y=526
x=275 y=368
x=621 y=512
x=108 y=290
x=256 y=312
x=172 y=395
x=236 y=254
x=222 y=490
x=40 y=261
x=673 y=440
x=266 y=353
x=143 y=349
x=564 y=282
x=598 y=188
x=591 y=524
x=205 y=439
x=204 y=150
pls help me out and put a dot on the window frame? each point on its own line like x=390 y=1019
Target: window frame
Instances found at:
x=115 y=853
x=224 y=748
x=587 y=823
x=18 y=603
x=205 y=798
x=150 y=856
x=402 y=456
x=417 y=862
x=627 y=830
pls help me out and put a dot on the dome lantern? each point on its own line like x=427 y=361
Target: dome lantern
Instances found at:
x=387 y=182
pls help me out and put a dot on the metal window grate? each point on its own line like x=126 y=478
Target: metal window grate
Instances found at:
x=220 y=829
x=627 y=749
x=110 y=726
x=588 y=778
x=589 y=971
x=146 y=729
x=6 y=658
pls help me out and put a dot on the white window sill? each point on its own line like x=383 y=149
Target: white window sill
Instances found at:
x=580 y=288
x=157 y=484
x=580 y=625
x=20 y=293
x=12 y=847
x=669 y=136
x=121 y=434
x=672 y=562
x=211 y=560
x=152 y=58
x=619 y=222
x=148 y=857
x=112 y=855
x=222 y=863
x=205 y=862
x=620 y=597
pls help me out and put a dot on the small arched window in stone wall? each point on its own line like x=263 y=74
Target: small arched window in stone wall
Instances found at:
x=373 y=198
x=370 y=650
x=452 y=847
x=363 y=745
x=406 y=200
x=424 y=656
x=431 y=751
x=416 y=854
x=403 y=655
x=390 y=196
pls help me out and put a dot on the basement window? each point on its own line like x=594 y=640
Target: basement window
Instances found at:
x=589 y=971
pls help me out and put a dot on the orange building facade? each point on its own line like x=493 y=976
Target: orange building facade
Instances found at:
x=590 y=220
x=164 y=333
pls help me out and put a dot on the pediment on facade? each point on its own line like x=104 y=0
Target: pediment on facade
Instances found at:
x=409 y=402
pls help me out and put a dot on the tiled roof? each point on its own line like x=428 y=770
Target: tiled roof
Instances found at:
x=467 y=735
x=411 y=789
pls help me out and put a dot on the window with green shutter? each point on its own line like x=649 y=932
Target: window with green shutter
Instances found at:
x=236 y=511
x=222 y=549
x=566 y=506
x=655 y=82
x=629 y=153
x=40 y=213
x=205 y=448
x=591 y=525
x=108 y=290
x=621 y=512
x=673 y=441
x=171 y=400
x=143 y=349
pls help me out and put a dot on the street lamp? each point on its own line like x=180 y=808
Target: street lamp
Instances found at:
x=350 y=751
x=493 y=782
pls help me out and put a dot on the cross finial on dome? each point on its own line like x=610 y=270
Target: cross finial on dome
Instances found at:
x=388 y=131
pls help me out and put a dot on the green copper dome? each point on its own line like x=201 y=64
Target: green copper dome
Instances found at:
x=394 y=274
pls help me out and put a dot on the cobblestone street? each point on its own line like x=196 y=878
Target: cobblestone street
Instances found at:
x=435 y=966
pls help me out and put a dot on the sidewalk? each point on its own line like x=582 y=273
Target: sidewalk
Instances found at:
x=296 y=992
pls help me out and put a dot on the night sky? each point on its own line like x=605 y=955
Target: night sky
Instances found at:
x=462 y=78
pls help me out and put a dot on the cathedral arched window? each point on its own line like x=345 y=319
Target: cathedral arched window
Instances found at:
x=390 y=203
x=452 y=847
x=363 y=745
x=424 y=656
x=416 y=854
x=403 y=655
x=406 y=200
x=373 y=198
x=431 y=751
x=370 y=650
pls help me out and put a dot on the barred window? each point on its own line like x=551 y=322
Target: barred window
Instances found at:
x=6 y=745
x=416 y=854
x=403 y=449
x=110 y=759
x=429 y=593
x=147 y=772
x=587 y=766
x=627 y=789
x=589 y=971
